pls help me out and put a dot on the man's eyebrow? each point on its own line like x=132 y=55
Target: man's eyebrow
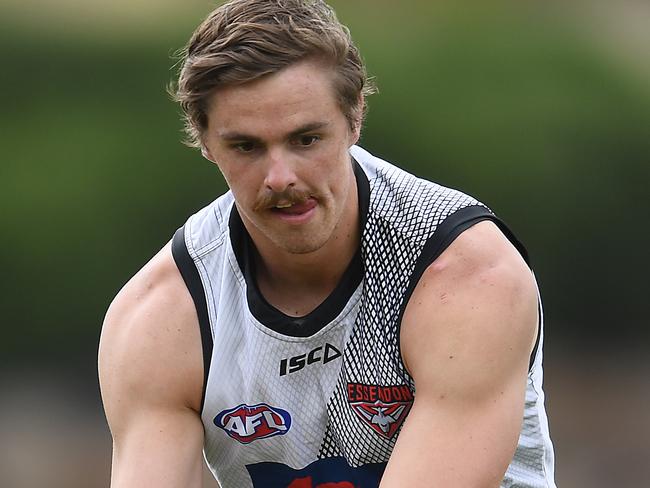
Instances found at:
x=241 y=136
x=310 y=127
x=238 y=136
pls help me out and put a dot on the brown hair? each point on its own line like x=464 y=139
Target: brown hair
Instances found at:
x=243 y=40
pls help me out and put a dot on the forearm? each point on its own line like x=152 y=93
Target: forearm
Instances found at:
x=471 y=449
x=163 y=451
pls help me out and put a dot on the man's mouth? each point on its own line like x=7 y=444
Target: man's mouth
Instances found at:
x=297 y=208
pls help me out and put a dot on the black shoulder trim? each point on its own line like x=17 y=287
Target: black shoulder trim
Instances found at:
x=363 y=193
x=190 y=275
x=450 y=228
x=454 y=225
x=533 y=354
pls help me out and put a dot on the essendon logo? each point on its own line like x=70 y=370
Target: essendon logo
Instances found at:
x=246 y=424
x=383 y=408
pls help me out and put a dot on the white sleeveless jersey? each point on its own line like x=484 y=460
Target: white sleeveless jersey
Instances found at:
x=319 y=400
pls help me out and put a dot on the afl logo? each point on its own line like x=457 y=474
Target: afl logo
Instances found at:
x=246 y=423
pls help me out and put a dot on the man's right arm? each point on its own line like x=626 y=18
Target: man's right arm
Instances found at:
x=151 y=377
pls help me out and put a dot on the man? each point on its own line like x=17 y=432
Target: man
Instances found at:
x=331 y=321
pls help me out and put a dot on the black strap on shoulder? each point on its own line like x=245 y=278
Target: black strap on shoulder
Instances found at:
x=448 y=231
x=445 y=234
x=190 y=274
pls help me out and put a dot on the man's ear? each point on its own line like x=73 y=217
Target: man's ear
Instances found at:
x=205 y=152
x=358 y=119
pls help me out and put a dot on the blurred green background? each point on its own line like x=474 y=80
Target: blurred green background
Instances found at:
x=541 y=110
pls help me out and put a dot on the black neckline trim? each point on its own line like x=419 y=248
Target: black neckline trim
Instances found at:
x=330 y=308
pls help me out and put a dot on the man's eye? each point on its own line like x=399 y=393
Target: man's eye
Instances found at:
x=244 y=147
x=306 y=141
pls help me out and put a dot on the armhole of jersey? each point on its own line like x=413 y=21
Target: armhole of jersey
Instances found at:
x=190 y=274
x=454 y=225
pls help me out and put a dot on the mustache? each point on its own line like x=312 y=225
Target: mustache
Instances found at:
x=271 y=198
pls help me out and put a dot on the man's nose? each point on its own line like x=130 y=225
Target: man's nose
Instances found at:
x=280 y=173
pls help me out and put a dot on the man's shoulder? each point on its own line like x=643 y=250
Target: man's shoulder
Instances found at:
x=157 y=285
x=482 y=248
x=150 y=331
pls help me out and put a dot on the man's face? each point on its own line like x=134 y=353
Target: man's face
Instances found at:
x=282 y=145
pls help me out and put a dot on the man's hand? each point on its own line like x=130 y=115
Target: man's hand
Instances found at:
x=151 y=376
x=466 y=338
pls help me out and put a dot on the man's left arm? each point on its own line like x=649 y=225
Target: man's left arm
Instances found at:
x=466 y=338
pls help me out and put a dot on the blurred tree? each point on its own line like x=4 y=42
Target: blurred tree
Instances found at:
x=509 y=104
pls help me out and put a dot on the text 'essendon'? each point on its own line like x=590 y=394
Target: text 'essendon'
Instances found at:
x=358 y=392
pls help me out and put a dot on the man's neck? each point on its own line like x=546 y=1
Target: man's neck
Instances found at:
x=297 y=283
x=296 y=286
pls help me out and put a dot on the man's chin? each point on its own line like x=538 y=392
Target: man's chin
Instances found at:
x=300 y=245
x=302 y=248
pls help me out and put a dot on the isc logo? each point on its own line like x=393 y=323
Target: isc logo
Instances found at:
x=296 y=363
x=246 y=424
